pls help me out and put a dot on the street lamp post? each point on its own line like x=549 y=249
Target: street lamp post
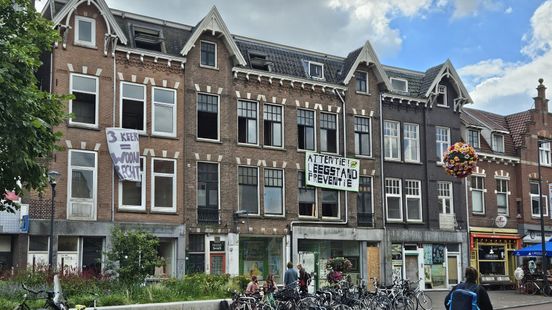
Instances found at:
x=52 y=176
x=544 y=262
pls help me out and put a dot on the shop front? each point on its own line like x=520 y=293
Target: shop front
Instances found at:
x=533 y=237
x=261 y=256
x=492 y=255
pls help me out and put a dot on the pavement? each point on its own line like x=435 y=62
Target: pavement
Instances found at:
x=500 y=299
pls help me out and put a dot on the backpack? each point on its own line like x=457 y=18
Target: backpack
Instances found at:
x=463 y=299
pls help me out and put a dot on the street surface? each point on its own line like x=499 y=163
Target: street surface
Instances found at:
x=500 y=300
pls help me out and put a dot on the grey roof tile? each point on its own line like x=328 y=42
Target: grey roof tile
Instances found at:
x=429 y=77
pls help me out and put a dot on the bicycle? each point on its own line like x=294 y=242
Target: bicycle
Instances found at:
x=54 y=300
x=532 y=287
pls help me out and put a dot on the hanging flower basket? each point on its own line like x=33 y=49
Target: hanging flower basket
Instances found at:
x=460 y=160
x=340 y=264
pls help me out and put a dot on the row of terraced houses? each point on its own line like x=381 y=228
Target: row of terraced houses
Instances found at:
x=225 y=122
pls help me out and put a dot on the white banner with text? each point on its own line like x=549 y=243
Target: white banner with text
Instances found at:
x=124 y=148
x=332 y=172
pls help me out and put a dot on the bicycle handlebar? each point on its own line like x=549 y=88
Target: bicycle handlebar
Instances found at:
x=32 y=291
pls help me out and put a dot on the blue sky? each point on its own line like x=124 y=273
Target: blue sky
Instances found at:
x=499 y=47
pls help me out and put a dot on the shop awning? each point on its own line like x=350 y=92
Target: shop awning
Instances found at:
x=535 y=239
x=535 y=250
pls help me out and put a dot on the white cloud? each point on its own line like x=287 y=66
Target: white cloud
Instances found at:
x=508 y=87
x=508 y=10
x=464 y=8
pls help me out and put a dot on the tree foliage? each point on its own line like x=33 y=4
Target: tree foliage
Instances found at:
x=135 y=253
x=27 y=114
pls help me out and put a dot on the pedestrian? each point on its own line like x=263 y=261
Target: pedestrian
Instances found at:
x=290 y=276
x=269 y=288
x=252 y=286
x=468 y=294
x=304 y=280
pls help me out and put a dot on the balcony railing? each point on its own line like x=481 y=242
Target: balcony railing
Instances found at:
x=365 y=219
x=207 y=215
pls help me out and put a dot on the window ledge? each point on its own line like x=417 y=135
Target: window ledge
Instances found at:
x=363 y=93
x=131 y=210
x=304 y=151
x=83 y=126
x=85 y=45
x=275 y=216
x=158 y=136
x=393 y=160
x=413 y=162
x=364 y=156
x=209 y=67
x=331 y=153
x=478 y=213
x=167 y=212
x=417 y=222
x=398 y=221
x=331 y=219
x=255 y=146
x=307 y=218
x=274 y=148
x=208 y=140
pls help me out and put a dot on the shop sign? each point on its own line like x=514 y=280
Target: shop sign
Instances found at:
x=446 y=221
x=333 y=172
x=501 y=221
x=216 y=246
x=124 y=148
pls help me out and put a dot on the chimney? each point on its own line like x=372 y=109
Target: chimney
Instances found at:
x=541 y=103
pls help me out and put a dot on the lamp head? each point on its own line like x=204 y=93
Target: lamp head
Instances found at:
x=52 y=176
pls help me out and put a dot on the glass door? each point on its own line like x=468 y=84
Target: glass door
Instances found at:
x=453 y=274
x=218 y=263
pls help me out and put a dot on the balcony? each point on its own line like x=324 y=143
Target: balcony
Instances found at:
x=365 y=219
x=207 y=215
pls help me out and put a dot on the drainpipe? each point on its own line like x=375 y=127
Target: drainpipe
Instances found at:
x=467 y=222
x=345 y=222
x=113 y=124
x=382 y=190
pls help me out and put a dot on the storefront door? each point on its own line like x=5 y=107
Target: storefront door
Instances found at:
x=411 y=267
x=218 y=263
x=453 y=271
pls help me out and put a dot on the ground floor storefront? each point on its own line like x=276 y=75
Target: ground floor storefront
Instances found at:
x=532 y=236
x=491 y=253
x=81 y=246
x=435 y=259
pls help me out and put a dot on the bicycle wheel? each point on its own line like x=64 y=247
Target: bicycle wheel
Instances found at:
x=547 y=291
x=381 y=303
x=404 y=303
x=424 y=301
x=531 y=288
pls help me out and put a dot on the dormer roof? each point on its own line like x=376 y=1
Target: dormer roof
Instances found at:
x=365 y=54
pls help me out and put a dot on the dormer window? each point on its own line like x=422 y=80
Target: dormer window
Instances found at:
x=316 y=70
x=399 y=84
x=148 y=39
x=361 y=82
x=442 y=96
x=208 y=54
x=473 y=138
x=498 y=143
x=85 y=31
x=259 y=61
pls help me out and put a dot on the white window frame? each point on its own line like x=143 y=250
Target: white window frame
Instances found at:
x=70 y=199
x=141 y=207
x=402 y=80
x=71 y=122
x=544 y=149
x=369 y=135
x=418 y=196
x=77 y=40
x=367 y=84
x=442 y=90
x=144 y=103
x=439 y=143
x=336 y=132
x=283 y=193
x=256 y=125
x=175 y=114
x=399 y=195
x=494 y=146
x=197 y=115
x=338 y=204
x=507 y=193
x=318 y=64
x=478 y=137
x=537 y=196
x=282 y=131
x=216 y=54
x=443 y=197
x=412 y=140
x=397 y=137
x=258 y=190
x=152 y=179
x=482 y=190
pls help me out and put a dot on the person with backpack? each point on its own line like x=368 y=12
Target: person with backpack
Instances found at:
x=468 y=295
x=304 y=280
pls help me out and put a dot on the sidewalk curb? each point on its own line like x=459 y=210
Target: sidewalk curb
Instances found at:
x=526 y=305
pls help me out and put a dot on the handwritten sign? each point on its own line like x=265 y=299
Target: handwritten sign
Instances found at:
x=124 y=149
x=333 y=172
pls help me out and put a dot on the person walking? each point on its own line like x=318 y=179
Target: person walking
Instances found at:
x=468 y=294
x=304 y=280
x=290 y=276
x=252 y=287
x=269 y=288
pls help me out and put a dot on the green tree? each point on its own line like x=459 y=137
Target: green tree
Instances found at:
x=27 y=114
x=135 y=253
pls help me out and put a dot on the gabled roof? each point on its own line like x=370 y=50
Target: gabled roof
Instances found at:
x=446 y=70
x=367 y=55
x=518 y=124
x=213 y=21
x=413 y=79
x=67 y=10
x=492 y=121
